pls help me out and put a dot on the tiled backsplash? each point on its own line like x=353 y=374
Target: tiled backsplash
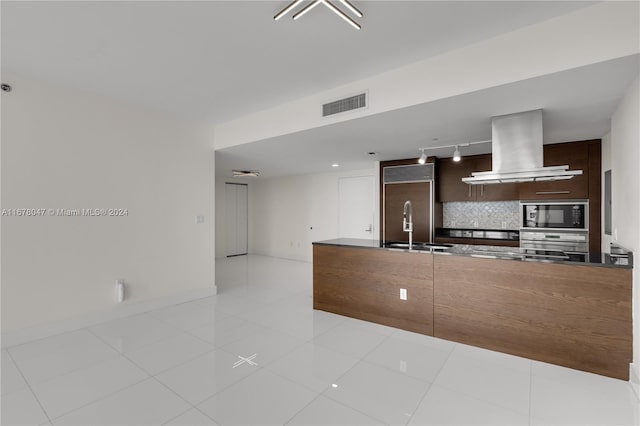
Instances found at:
x=485 y=215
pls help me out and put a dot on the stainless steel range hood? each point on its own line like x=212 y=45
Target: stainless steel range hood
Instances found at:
x=516 y=146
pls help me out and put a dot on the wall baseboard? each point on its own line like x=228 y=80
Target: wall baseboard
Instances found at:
x=19 y=337
x=634 y=378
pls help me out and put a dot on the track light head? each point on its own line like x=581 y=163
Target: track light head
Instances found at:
x=456 y=154
x=423 y=158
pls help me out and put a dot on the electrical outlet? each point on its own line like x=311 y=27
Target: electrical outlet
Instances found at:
x=475 y=223
x=453 y=223
x=403 y=366
x=199 y=219
x=504 y=224
x=403 y=294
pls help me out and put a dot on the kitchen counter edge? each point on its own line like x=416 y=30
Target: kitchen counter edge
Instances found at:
x=604 y=259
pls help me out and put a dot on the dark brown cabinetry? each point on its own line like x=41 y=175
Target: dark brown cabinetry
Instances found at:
x=571 y=315
x=451 y=187
x=419 y=193
x=573 y=154
x=575 y=316
x=365 y=284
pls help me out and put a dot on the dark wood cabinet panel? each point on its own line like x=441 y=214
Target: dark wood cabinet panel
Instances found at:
x=573 y=154
x=451 y=187
x=395 y=195
x=497 y=192
x=365 y=284
x=575 y=316
x=450 y=174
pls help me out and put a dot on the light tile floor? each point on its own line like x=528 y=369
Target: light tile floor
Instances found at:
x=176 y=366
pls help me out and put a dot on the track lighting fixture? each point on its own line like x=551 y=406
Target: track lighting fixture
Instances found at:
x=328 y=4
x=456 y=154
x=423 y=158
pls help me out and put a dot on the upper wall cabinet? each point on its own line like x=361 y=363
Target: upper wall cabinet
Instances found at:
x=573 y=154
x=584 y=155
x=451 y=187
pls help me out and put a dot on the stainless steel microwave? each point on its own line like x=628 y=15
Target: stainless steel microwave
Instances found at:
x=569 y=215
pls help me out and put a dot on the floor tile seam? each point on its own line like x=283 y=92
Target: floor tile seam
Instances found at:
x=84 y=327
x=435 y=377
x=480 y=365
x=218 y=392
x=29 y=388
x=108 y=395
x=206 y=341
x=162 y=339
x=301 y=409
x=74 y=370
x=480 y=399
x=361 y=358
x=176 y=394
x=173 y=366
x=282 y=376
x=328 y=395
x=347 y=371
x=609 y=381
x=86 y=367
x=322 y=394
x=422 y=398
x=384 y=367
x=449 y=351
x=271 y=329
x=183 y=413
x=180 y=328
x=222 y=389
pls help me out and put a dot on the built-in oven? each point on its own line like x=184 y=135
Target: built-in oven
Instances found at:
x=554 y=215
x=556 y=225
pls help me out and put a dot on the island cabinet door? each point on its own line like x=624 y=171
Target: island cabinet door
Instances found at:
x=365 y=284
x=574 y=316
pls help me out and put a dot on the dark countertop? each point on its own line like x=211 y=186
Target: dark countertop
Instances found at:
x=619 y=257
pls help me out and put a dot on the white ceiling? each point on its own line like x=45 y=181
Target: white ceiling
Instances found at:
x=577 y=105
x=217 y=60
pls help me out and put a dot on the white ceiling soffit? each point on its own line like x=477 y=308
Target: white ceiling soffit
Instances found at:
x=577 y=105
x=218 y=60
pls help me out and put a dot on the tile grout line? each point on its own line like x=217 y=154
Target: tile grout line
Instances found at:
x=361 y=359
x=431 y=384
x=29 y=387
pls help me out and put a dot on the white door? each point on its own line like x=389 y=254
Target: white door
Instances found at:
x=236 y=218
x=356 y=207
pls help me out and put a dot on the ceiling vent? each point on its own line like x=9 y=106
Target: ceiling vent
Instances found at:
x=344 y=105
x=245 y=173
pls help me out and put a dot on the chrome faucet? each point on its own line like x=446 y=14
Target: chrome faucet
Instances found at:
x=407 y=222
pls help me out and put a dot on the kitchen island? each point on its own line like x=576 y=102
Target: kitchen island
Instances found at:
x=571 y=313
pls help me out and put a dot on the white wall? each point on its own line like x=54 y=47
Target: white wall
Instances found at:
x=625 y=174
x=283 y=211
x=63 y=148
x=606 y=165
x=592 y=34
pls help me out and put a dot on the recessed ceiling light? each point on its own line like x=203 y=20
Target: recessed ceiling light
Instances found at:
x=335 y=165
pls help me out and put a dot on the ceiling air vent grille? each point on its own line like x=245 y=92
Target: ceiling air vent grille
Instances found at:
x=343 y=105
